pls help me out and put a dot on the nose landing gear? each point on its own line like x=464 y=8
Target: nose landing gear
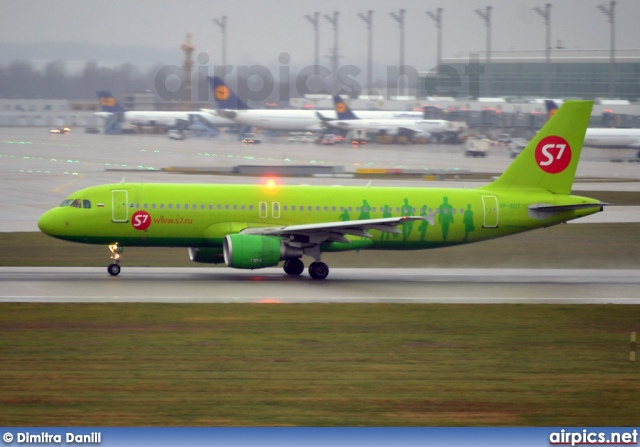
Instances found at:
x=116 y=254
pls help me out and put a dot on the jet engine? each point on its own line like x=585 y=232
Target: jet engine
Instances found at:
x=249 y=251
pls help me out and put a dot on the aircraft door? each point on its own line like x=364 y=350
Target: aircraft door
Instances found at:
x=120 y=206
x=275 y=210
x=490 y=205
x=264 y=210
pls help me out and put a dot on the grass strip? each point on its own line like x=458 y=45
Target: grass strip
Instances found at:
x=317 y=365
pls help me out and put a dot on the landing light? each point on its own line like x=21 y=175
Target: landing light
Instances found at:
x=270 y=182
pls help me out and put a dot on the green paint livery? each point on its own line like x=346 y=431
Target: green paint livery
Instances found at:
x=255 y=226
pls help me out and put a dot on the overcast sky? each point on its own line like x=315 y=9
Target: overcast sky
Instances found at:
x=260 y=30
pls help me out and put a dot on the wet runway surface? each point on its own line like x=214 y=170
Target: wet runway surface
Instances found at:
x=223 y=285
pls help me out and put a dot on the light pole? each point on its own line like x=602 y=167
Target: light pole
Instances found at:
x=546 y=15
x=486 y=17
x=314 y=21
x=368 y=19
x=222 y=23
x=400 y=19
x=437 y=17
x=610 y=13
x=335 y=54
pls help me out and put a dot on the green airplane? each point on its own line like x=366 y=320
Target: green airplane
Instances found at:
x=257 y=226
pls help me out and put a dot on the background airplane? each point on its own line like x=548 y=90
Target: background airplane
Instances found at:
x=605 y=137
x=412 y=128
x=231 y=107
x=257 y=226
x=113 y=113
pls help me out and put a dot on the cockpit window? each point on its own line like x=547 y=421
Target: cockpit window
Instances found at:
x=77 y=203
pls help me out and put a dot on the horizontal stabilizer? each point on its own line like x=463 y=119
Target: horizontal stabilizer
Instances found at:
x=543 y=211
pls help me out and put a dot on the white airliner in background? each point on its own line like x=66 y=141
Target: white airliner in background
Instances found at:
x=606 y=137
x=233 y=108
x=414 y=128
x=168 y=119
x=612 y=138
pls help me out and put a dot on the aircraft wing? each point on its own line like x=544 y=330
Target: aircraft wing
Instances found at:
x=224 y=113
x=336 y=231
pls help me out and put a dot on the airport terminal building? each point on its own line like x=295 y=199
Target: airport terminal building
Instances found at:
x=581 y=74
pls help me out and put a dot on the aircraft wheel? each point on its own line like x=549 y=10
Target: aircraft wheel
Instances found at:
x=293 y=267
x=318 y=270
x=113 y=269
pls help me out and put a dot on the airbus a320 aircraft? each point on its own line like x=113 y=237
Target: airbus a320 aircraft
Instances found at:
x=412 y=128
x=256 y=226
x=169 y=119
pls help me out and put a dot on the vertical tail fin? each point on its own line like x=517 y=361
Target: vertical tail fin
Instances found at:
x=342 y=109
x=550 y=159
x=225 y=97
x=108 y=103
x=552 y=107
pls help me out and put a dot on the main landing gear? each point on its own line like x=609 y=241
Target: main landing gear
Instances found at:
x=295 y=267
x=116 y=254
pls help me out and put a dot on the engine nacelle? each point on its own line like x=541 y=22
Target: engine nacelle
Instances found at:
x=206 y=255
x=250 y=251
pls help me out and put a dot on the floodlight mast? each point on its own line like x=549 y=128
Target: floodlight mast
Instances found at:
x=368 y=20
x=610 y=13
x=437 y=17
x=222 y=23
x=546 y=15
x=486 y=17
x=400 y=19
x=335 y=53
x=314 y=20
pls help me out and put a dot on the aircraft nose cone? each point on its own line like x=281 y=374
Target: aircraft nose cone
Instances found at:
x=46 y=223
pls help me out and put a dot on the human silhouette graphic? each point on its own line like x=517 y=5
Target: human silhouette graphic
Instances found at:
x=386 y=212
x=407 y=227
x=445 y=217
x=467 y=220
x=365 y=211
x=423 y=225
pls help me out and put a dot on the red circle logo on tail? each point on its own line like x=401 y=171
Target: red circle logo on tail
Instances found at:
x=553 y=154
x=141 y=220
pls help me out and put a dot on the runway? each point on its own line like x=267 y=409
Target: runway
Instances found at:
x=344 y=285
